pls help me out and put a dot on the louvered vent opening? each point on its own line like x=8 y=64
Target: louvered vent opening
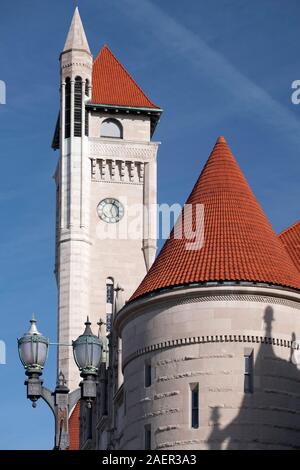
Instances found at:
x=68 y=109
x=77 y=107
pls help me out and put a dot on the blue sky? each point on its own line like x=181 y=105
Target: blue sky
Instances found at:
x=217 y=67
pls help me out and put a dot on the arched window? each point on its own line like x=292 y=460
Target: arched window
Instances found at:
x=68 y=108
x=77 y=106
x=111 y=128
x=109 y=302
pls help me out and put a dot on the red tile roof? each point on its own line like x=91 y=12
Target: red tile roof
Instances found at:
x=239 y=242
x=112 y=84
x=74 y=428
x=290 y=237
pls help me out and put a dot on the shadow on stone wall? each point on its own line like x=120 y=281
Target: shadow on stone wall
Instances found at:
x=270 y=416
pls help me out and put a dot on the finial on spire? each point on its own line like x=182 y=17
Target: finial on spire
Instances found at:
x=76 y=38
x=100 y=323
x=119 y=302
x=33 y=328
x=61 y=381
x=221 y=140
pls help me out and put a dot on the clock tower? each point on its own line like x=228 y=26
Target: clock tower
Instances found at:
x=105 y=189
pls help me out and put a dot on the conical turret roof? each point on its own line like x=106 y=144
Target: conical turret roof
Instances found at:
x=290 y=237
x=239 y=242
x=76 y=38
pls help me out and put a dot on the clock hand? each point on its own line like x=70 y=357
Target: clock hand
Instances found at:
x=115 y=208
x=108 y=211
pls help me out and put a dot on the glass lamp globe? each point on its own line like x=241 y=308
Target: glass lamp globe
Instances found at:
x=33 y=349
x=87 y=350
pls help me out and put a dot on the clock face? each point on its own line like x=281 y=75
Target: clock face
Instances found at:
x=110 y=210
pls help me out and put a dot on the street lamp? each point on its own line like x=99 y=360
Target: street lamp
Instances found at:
x=87 y=351
x=33 y=351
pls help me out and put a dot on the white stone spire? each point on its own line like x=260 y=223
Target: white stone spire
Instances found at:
x=76 y=38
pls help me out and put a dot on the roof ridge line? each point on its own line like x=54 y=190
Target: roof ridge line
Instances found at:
x=289 y=228
x=127 y=73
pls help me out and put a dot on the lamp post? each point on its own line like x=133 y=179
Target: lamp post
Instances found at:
x=33 y=351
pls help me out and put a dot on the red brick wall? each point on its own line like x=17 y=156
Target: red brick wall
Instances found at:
x=74 y=428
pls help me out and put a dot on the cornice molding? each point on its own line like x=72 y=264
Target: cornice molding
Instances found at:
x=225 y=338
x=172 y=297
